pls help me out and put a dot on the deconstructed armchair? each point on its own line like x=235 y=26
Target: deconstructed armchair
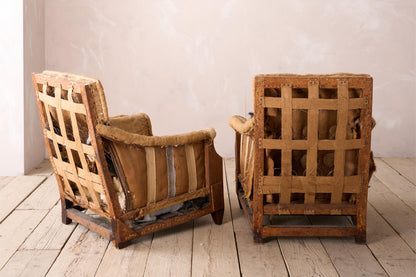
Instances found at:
x=306 y=152
x=133 y=182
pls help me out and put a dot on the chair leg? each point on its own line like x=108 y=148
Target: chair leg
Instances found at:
x=121 y=245
x=217 y=216
x=257 y=238
x=361 y=223
x=361 y=237
x=64 y=205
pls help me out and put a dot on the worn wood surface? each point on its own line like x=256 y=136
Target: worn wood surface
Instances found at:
x=16 y=191
x=391 y=251
x=405 y=166
x=30 y=263
x=306 y=257
x=131 y=261
x=81 y=255
x=171 y=252
x=15 y=229
x=352 y=259
x=400 y=216
x=5 y=180
x=348 y=257
x=401 y=186
x=34 y=242
x=44 y=197
x=214 y=249
x=50 y=234
x=256 y=259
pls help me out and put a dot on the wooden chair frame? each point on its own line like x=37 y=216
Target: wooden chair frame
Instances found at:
x=82 y=189
x=251 y=148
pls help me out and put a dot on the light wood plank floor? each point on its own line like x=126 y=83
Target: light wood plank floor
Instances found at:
x=34 y=242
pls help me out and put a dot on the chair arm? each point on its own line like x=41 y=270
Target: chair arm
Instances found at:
x=242 y=125
x=122 y=136
x=137 y=123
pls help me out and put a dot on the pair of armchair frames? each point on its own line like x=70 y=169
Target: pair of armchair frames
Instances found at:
x=305 y=152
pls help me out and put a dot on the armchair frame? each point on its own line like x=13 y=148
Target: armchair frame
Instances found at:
x=270 y=186
x=72 y=109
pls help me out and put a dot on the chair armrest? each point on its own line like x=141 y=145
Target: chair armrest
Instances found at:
x=137 y=123
x=122 y=136
x=242 y=125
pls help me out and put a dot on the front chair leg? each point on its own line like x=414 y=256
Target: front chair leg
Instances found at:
x=217 y=198
x=121 y=245
x=217 y=216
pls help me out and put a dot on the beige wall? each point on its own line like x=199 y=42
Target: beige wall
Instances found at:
x=189 y=63
x=34 y=61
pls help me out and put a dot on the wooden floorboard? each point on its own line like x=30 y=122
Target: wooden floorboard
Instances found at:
x=400 y=216
x=34 y=242
x=214 y=249
x=29 y=263
x=50 y=234
x=406 y=167
x=306 y=257
x=391 y=251
x=16 y=191
x=5 y=180
x=399 y=185
x=44 y=197
x=348 y=257
x=352 y=259
x=255 y=259
x=81 y=255
x=129 y=262
x=171 y=252
x=15 y=229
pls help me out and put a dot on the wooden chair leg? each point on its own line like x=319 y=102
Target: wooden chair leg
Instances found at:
x=64 y=205
x=257 y=238
x=217 y=199
x=121 y=245
x=218 y=216
x=361 y=221
x=361 y=237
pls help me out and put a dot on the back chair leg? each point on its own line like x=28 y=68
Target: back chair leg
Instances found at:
x=65 y=204
x=257 y=238
x=361 y=237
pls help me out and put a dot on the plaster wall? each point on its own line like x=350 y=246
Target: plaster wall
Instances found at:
x=22 y=52
x=11 y=87
x=34 y=61
x=190 y=63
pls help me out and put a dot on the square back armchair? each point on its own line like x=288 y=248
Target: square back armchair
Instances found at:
x=134 y=183
x=306 y=152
